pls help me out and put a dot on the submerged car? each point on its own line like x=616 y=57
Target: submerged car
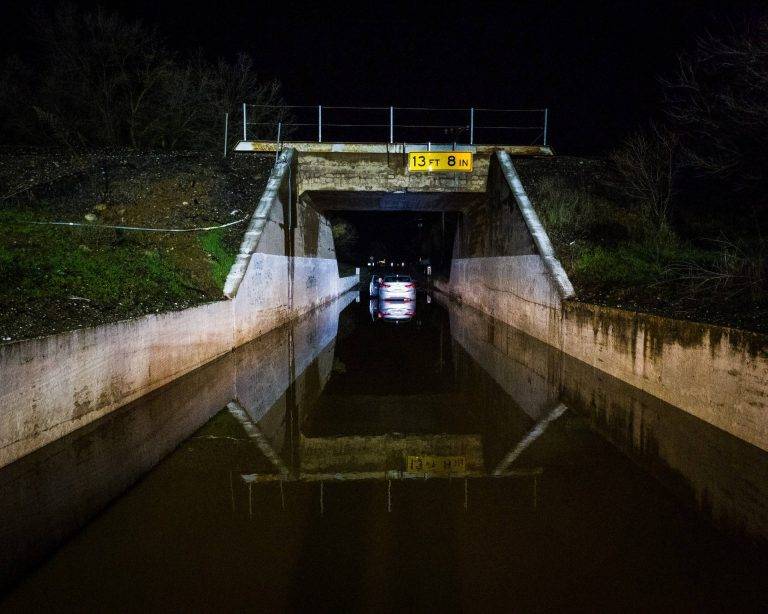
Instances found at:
x=373 y=287
x=397 y=287
x=392 y=311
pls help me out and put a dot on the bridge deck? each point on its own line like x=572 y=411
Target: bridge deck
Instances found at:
x=390 y=148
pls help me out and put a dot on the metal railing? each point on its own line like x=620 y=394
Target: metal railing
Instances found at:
x=471 y=126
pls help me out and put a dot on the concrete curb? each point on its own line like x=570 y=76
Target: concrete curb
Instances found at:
x=258 y=221
x=540 y=237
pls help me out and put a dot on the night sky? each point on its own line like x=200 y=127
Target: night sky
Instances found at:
x=595 y=65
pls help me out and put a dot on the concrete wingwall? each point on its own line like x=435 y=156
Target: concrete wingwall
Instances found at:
x=286 y=266
x=504 y=265
x=287 y=262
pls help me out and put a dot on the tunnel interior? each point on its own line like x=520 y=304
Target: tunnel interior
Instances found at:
x=400 y=231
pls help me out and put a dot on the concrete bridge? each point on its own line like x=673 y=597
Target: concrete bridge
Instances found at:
x=374 y=177
x=369 y=176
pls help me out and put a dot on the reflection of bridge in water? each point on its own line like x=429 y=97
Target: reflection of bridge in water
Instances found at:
x=402 y=457
x=312 y=435
x=376 y=457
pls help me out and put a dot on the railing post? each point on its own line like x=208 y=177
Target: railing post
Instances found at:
x=245 y=129
x=277 y=149
x=319 y=123
x=226 y=130
x=391 y=125
x=546 y=122
x=472 y=126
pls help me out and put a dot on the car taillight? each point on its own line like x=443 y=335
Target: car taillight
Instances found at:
x=385 y=285
x=410 y=285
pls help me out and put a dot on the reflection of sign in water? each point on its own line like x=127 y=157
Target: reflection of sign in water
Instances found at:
x=440 y=161
x=436 y=465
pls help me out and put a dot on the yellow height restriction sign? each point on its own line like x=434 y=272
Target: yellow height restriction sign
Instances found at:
x=435 y=465
x=440 y=161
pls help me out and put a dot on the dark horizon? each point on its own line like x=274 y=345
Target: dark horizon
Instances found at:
x=597 y=69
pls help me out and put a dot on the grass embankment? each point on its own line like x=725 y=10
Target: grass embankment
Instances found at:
x=616 y=256
x=218 y=246
x=58 y=277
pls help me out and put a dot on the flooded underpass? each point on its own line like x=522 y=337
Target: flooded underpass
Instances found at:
x=375 y=457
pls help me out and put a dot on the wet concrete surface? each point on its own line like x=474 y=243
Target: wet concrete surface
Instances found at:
x=352 y=462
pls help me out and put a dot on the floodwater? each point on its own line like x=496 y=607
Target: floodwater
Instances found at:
x=393 y=457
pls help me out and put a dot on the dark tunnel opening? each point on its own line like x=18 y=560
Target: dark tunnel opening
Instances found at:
x=414 y=242
x=398 y=231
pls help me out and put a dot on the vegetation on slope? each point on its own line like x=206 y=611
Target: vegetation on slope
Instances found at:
x=61 y=277
x=617 y=255
x=676 y=219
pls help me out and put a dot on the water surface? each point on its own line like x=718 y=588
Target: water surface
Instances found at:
x=365 y=459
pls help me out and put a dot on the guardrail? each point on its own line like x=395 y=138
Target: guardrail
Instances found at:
x=471 y=126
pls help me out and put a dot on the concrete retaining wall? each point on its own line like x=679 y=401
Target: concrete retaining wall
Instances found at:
x=720 y=474
x=715 y=373
x=56 y=384
x=286 y=266
x=62 y=485
x=504 y=266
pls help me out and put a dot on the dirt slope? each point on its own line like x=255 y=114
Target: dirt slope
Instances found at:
x=59 y=277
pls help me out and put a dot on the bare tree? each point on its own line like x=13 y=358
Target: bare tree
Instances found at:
x=189 y=113
x=345 y=239
x=238 y=83
x=718 y=102
x=645 y=169
x=101 y=80
x=198 y=93
x=99 y=75
x=16 y=86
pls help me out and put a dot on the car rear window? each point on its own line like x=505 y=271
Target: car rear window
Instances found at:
x=403 y=278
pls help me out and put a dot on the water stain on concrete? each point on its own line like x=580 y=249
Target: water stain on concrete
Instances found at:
x=82 y=403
